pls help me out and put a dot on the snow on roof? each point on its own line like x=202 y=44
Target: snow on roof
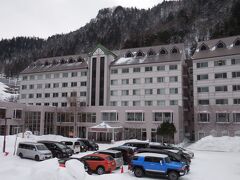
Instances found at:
x=152 y=154
x=102 y=125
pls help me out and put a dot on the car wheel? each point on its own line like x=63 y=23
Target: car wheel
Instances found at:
x=138 y=172
x=20 y=155
x=173 y=175
x=100 y=170
x=37 y=158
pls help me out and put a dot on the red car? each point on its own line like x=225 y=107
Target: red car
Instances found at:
x=99 y=163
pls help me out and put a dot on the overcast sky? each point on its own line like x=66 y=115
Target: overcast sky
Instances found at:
x=43 y=18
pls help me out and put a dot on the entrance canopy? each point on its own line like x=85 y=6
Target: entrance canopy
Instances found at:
x=104 y=127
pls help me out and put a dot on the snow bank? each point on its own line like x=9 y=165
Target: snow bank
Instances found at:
x=210 y=143
x=76 y=169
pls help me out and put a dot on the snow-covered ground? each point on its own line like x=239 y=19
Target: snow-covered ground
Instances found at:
x=215 y=159
x=4 y=96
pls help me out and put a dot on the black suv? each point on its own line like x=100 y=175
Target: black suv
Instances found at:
x=91 y=146
x=138 y=145
x=58 y=149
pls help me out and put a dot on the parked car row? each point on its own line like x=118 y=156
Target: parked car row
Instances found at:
x=47 y=149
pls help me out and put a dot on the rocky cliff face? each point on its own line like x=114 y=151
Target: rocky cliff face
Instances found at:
x=169 y=22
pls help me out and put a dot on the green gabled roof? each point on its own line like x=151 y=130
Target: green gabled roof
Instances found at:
x=104 y=49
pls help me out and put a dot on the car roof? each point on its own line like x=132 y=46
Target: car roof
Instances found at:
x=43 y=141
x=31 y=143
x=99 y=155
x=172 y=150
x=108 y=151
x=152 y=155
x=136 y=143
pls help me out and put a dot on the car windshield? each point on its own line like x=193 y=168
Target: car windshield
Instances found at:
x=167 y=160
x=61 y=146
x=68 y=143
x=41 y=147
x=109 y=158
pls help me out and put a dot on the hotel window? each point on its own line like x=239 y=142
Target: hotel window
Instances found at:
x=55 y=95
x=236 y=74
x=114 y=71
x=203 y=117
x=24 y=78
x=23 y=96
x=135 y=116
x=148 y=91
x=173 y=102
x=125 y=81
x=137 y=69
x=136 y=103
x=114 y=82
x=160 y=79
x=220 y=63
x=203 y=89
x=83 y=93
x=221 y=88
x=65 y=84
x=48 y=85
x=236 y=101
x=148 y=69
x=55 y=104
x=236 y=117
x=65 y=75
x=74 y=74
x=173 y=90
x=31 y=86
x=136 y=81
x=203 y=102
x=55 y=85
x=109 y=116
x=125 y=70
x=24 y=87
x=47 y=76
x=64 y=104
x=202 y=77
x=39 y=95
x=220 y=75
x=173 y=79
x=235 y=61
x=39 y=86
x=221 y=101
x=125 y=92
x=173 y=67
x=64 y=94
x=161 y=103
x=161 y=91
x=222 y=117
x=73 y=94
x=124 y=103
x=30 y=96
x=73 y=84
x=113 y=103
x=84 y=83
x=136 y=92
x=46 y=104
x=47 y=95
x=161 y=68
x=148 y=103
x=39 y=77
x=202 y=64
x=114 y=93
x=32 y=77
x=56 y=75
x=163 y=117
x=84 y=73
x=38 y=104
x=148 y=80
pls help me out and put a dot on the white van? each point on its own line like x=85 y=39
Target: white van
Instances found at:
x=33 y=150
x=73 y=144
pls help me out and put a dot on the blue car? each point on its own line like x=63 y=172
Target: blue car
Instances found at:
x=157 y=165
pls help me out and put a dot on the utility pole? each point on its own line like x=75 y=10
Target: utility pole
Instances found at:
x=5 y=133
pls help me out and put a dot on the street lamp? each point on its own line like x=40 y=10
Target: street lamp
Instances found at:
x=5 y=133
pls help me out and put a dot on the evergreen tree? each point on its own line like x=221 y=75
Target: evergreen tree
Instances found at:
x=167 y=131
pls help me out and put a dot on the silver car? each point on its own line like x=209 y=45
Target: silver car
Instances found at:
x=33 y=150
x=117 y=156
